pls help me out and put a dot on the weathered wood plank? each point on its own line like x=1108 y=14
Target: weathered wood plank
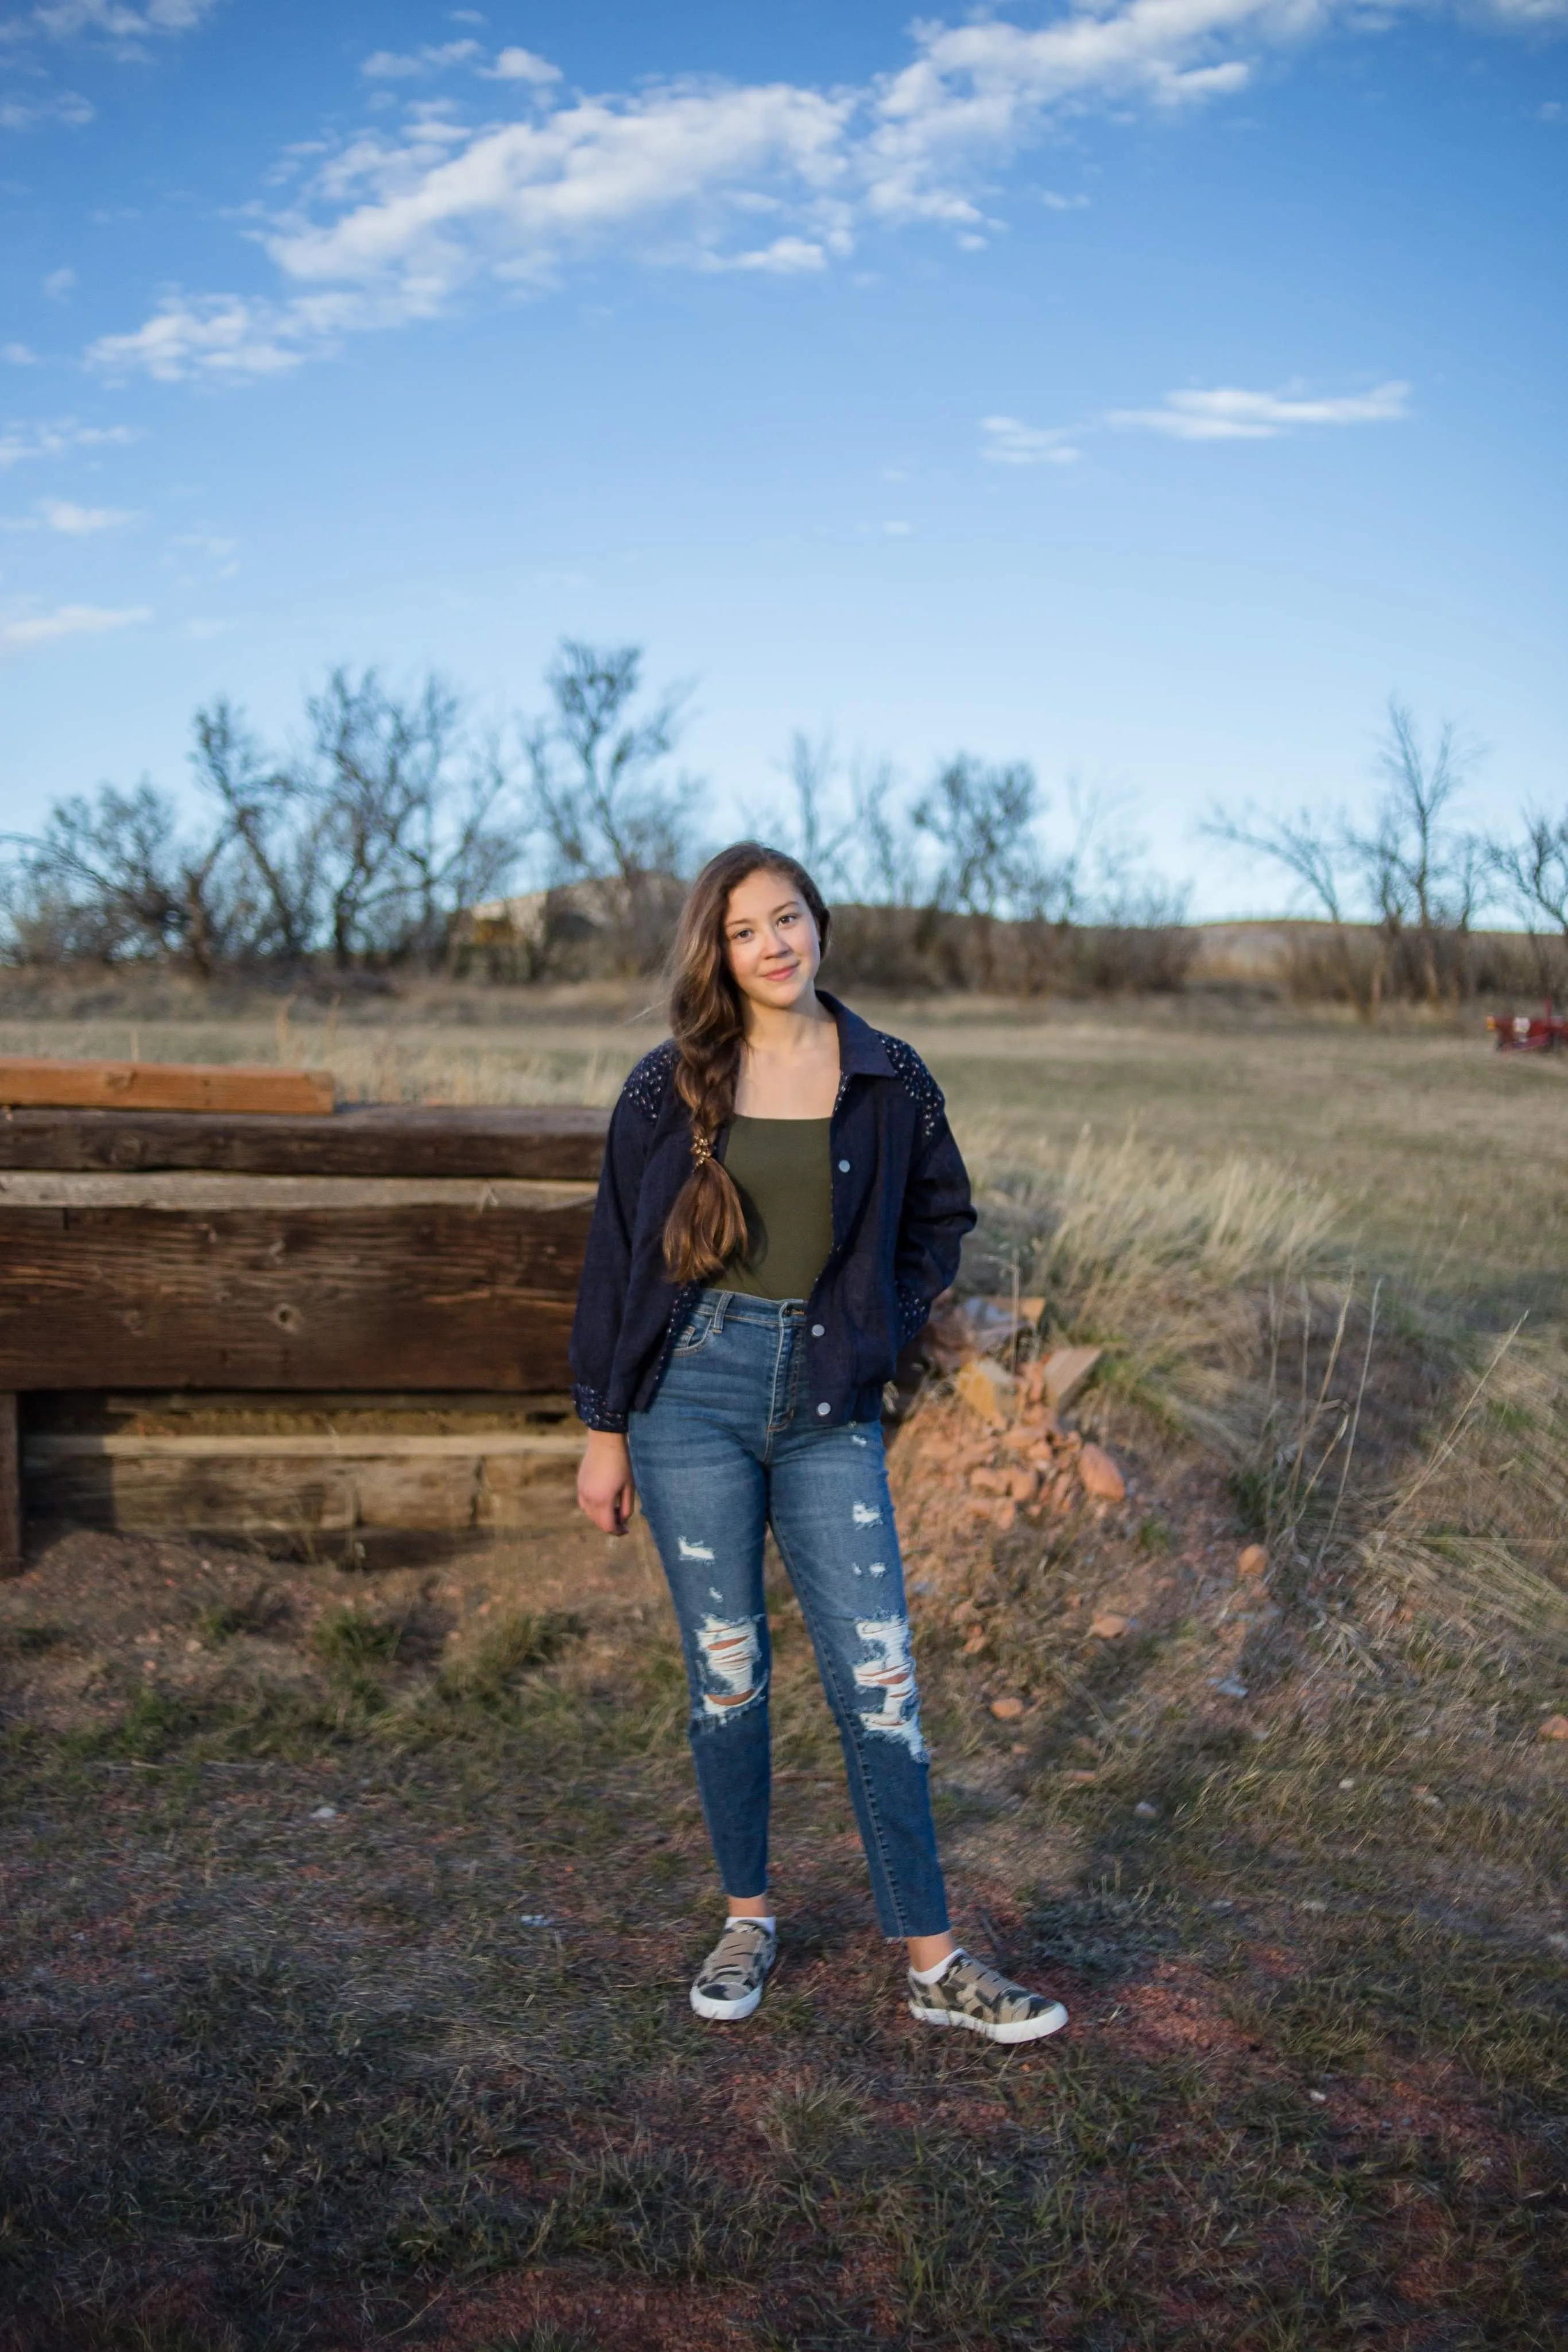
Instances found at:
x=563 y=1143
x=38 y=1079
x=10 y=1488
x=386 y=1299
x=50 y=1446
x=185 y=1191
x=287 y=1500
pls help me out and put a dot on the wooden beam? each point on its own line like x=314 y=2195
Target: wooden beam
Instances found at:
x=233 y=1086
x=183 y=1192
x=371 y=1299
x=10 y=1488
x=290 y=1501
x=50 y=1446
x=564 y=1143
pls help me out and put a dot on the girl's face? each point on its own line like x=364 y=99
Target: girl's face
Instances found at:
x=771 y=940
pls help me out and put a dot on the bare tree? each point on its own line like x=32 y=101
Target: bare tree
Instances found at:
x=408 y=824
x=261 y=804
x=980 y=821
x=885 y=866
x=113 y=877
x=368 y=844
x=601 y=795
x=1533 y=875
x=1312 y=851
x=1423 y=877
x=1418 y=877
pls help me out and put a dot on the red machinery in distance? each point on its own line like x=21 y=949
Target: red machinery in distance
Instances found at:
x=1529 y=1032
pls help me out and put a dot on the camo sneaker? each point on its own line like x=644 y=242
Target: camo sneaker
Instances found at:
x=968 y=1993
x=730 y=1980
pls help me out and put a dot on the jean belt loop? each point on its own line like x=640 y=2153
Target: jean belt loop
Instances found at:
x=720 y=1301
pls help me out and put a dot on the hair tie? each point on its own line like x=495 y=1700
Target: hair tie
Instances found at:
x=702 y=1149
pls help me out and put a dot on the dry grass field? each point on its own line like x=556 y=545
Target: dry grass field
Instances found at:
x=349 y=1916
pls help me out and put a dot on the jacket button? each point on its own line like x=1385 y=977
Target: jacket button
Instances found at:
x=818 y=1330
x=843 y=1168
x=824 y=1408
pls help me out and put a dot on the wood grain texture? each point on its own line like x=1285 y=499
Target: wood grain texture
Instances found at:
x=10 y=1490
x=564 y=1143
x=374 y=1299
x=232 y=1087
x=185 y=1191
x=293 y=1497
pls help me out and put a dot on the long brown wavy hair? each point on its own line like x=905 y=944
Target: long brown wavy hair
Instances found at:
x=708 y=1020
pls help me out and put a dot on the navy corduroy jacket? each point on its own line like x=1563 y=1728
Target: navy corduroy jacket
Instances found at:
x=901 y=1209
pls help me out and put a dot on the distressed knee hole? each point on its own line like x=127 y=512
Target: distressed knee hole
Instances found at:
x=888 y=1676
x=731 y=1650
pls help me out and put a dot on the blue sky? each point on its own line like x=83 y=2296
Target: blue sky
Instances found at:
x=1145 y=389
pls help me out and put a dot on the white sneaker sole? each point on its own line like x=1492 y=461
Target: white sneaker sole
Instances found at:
x=1026 y=2029
x=726 y=2011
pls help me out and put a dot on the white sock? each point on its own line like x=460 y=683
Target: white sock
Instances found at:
x=929 y=1976
x=770 y=1923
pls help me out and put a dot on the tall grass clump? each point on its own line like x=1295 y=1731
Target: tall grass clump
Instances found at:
x=1168 y=1261
x=1478 y=1528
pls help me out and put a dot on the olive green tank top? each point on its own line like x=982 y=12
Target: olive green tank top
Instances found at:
x=780 y=1167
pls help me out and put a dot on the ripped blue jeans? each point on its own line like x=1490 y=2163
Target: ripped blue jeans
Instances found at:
x=726 y=1451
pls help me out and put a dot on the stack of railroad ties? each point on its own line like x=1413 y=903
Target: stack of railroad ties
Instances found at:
x=1023 y=1459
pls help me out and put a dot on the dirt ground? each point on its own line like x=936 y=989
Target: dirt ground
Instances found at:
x=351 y=1911
x=351 y=1920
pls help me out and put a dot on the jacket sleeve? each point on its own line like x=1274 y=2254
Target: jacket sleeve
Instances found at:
x=937 y=1212
x=602 y=1293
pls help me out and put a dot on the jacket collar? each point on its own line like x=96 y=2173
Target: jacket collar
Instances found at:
x=862 y=1052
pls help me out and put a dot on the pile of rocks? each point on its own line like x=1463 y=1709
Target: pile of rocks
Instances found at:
x=1011 y=1449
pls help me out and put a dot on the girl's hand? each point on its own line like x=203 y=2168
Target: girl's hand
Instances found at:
x=605 y=1490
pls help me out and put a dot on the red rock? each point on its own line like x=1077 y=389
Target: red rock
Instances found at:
x=1100 y=1474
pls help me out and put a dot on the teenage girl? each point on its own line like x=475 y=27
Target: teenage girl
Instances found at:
x=782 y=1199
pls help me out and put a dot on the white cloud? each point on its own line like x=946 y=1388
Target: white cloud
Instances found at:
x=57 y=438
x=58 y=284
x=229 y=335
x=1229 y=414
x=1009 y=443
x=392 y=64
x=396 y=227
x=62 y=106
x=1225 y=413
x=19 y=355
x=787 y=256
x=521 y=65
x=109 y=20
x=68 y=621
x=78 y=522
x=519 y=198
x=75 y=522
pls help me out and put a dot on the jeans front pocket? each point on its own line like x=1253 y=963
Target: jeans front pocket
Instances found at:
x=695 y=1333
